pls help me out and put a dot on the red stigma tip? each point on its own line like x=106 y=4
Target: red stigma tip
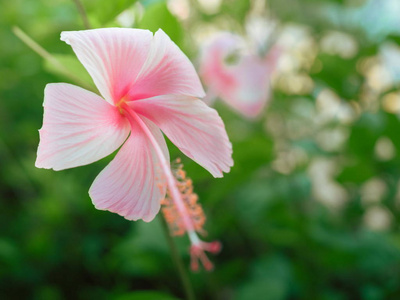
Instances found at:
x=198 y=254
x=215 y=247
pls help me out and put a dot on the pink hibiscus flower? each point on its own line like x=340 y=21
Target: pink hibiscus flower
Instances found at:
x=147 y=84
x=238 y=77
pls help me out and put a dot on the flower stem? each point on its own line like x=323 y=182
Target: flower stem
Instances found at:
x=178 y=261
x=47 y=56
x=82 y=12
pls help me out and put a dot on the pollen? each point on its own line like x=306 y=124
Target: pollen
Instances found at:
x=194 y=209
x=119 y=105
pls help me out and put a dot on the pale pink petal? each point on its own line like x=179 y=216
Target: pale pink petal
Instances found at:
x=242 y=83
x=210 y=97
x=196 y=129
x=213 y=58
x=133 y=184
x=112 y=56
x=167 y=71
x=79 y=128
x=251 y=90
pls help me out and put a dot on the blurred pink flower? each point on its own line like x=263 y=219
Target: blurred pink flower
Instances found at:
x=148 y=84
x=235 y=75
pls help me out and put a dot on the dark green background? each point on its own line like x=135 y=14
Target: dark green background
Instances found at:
x=280 y=241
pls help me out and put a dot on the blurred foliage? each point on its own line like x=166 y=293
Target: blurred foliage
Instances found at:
x=311 y=209
x=158 y=16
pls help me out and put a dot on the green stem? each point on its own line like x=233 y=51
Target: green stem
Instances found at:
x=82 y=12
x=47 y=56
x=178 y=261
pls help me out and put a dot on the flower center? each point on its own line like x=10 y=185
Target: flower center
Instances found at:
x=120 y=105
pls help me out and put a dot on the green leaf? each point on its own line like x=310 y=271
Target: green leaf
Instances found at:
x=158 y=16
x=106 y=11
x=340 y=75
x=357 y=172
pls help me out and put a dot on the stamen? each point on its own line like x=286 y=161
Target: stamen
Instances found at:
x=196 y=215
x=120 y=104
x=194 y=209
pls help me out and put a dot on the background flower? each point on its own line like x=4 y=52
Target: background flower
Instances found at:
x=236 y=75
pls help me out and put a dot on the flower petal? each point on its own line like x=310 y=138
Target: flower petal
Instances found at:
x=79 y=128
x=167 y=71
x=133 y=185
x=251 y=90
x=196 y=129
x=112 y=56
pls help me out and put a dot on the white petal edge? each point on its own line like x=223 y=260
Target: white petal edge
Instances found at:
x=79 y=127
